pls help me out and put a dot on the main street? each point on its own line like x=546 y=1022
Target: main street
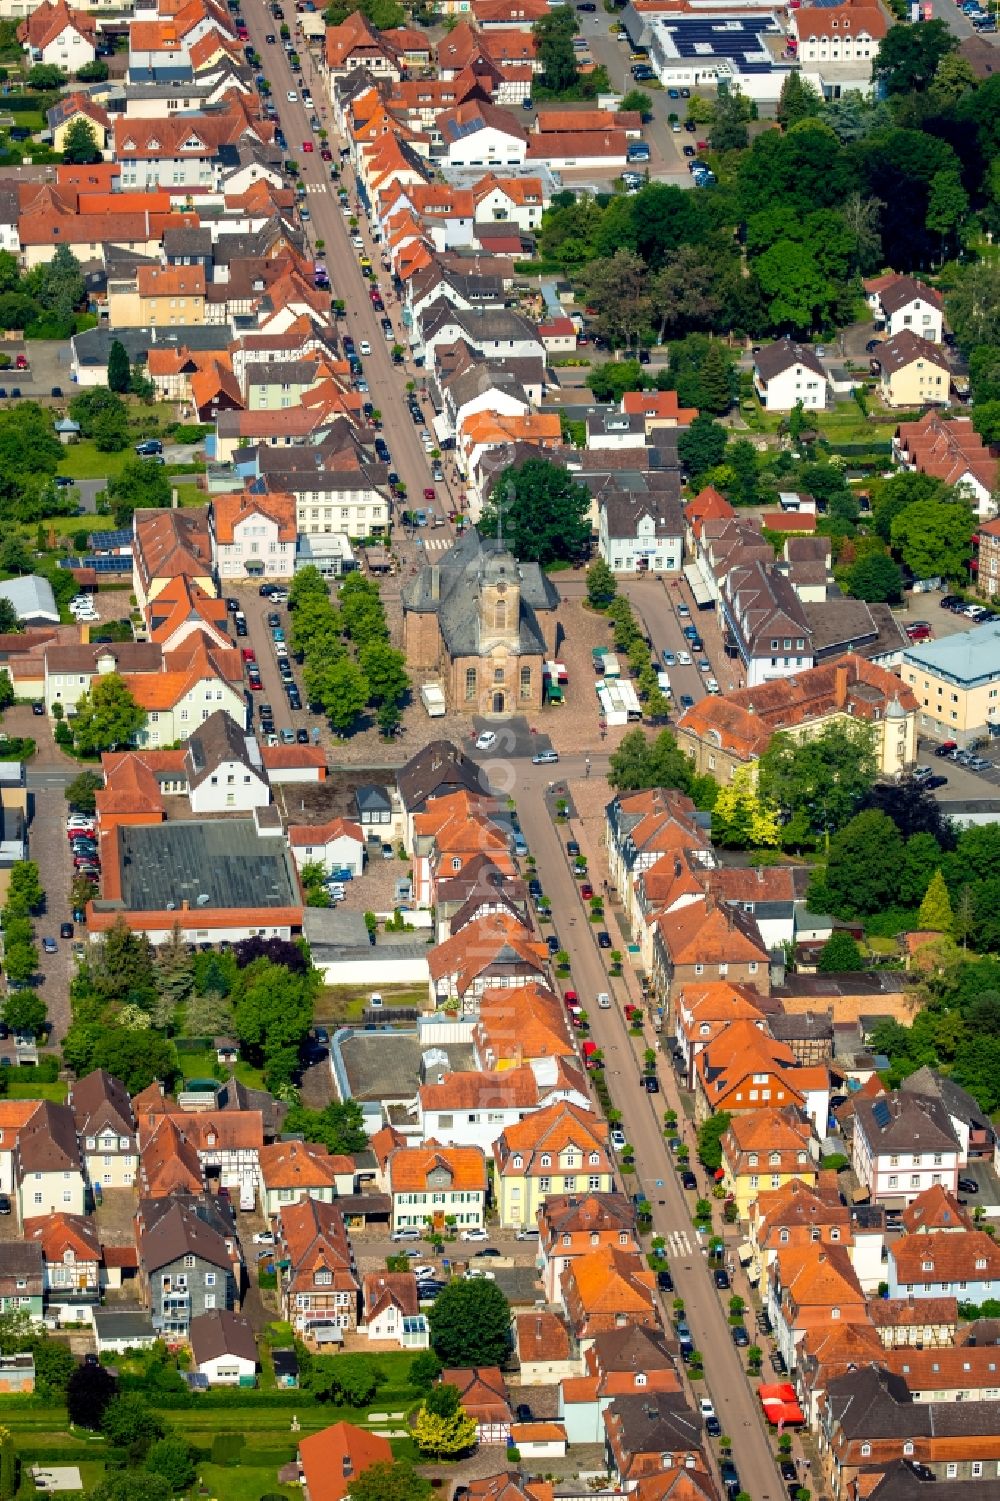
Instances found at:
x=725 y=1377
x=327 y=223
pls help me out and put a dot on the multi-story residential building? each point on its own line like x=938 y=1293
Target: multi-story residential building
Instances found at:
x=766 y=1149
x=105 y=1125
x=437 y=1186
x=72 y=1255
x=58 y=36
x=474 y=1109
x=913 y=371
x=48 y=1168
x=764 y=623
x=941 y=1263
x=836 y=45
x=391 y=1310
x=903 y=302
x=570 y=1226
x=494 y=952
x=319 y=1280
x=708 y=940
x=168 y=543
x=561 y=1149
x=22 y=1278
x=794 y=1215
x=744 y=1070
x=956 y=682
x=811 y=1287
x=643 y=827
x=787 y=373
x=954 y=452
x=903 y=1144
x=189 y=1263
x=158 y=297
x=254 y=535
x=637 y=534
x=702 y=1011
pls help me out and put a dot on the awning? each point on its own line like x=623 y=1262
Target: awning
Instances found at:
x=745 y=1253
x=780 y=1404
x=441 y=426
x=695 y=582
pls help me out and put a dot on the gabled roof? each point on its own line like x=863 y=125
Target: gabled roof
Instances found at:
x=551 y=1131
x=904 y=349
x=222 y=1332
x=410 y=1168
x=942 y=1256
x=59 y=1233
x=497 y=940
x=99 y=1101
x=301 y=1165
x=47 y=1143
x=935 y=1209
x=785 y=354
x=331 y=1457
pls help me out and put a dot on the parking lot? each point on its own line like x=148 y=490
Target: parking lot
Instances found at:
x=257 y=608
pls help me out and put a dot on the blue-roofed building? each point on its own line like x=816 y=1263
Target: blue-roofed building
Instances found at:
x=735 y=49
x=957 y=684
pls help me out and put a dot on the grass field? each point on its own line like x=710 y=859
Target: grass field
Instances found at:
x=55 y=1091
x=189 y=494
x=200 y=1065
x=83 y=460
x=244 y=1483
x=339 y=1003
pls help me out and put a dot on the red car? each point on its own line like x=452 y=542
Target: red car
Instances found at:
x=586 y=891
x=307 y=146
x=326 y=154
x=571 y=998
x=249 y=655
x=429 y=494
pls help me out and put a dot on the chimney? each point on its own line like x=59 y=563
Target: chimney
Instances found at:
x=841 y=683
x=347 y=1465
x=185 y=904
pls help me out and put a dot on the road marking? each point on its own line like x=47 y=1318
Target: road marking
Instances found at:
x=678 y=1242
x=316 y=187
x=436 y=544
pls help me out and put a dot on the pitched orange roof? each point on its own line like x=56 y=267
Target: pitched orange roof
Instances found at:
x=519 y=1148
x=300 y=1164
x=331 y=1457
x=496 y=939
x=229 y=511
x=610 y=1280
x=170 y=281
x=409 y=1168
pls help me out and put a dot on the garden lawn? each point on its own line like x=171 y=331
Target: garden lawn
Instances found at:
x=56 y=1091
x=190 y=495
x=83 y=460
x=338 y=1003
x=200 y=1066
x=244 y=1483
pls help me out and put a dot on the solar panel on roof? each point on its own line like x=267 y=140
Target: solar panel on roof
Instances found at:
x=105 y=541
x=880 y=1113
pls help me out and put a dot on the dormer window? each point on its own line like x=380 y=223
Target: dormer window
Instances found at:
x=546 y=1160
x=927 y=1266
x=774 y=1159
x=640 y=1378
x=752 y=1159
x=595 y=1159
x=517 y=1162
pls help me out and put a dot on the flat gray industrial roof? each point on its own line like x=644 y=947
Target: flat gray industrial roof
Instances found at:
x=224 y=860
x=386 y=1065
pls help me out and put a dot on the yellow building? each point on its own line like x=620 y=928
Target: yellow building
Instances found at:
x=765 y=1149
x=74 y=107
x=956 y=682
x=562 y=1149
x=913 y=371
x=160 y=297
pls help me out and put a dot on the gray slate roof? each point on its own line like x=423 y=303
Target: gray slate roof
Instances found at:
x=450 y=589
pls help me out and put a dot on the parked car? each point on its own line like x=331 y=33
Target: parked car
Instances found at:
x=474 y=1235
x=721 y=1279
x=688 y=1180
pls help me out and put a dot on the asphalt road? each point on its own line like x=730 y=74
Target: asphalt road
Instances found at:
x=726 y=1380
x=327 y=222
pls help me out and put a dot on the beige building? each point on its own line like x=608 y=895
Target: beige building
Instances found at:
x=160 y=297
x=913 y=371
x=484 y=623
x=956 y=682
x=727 y=730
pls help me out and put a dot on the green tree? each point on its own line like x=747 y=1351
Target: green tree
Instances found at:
x=24 y=888
x=80 y=143
x=840 y=954
x=636 y=102
x=45 y=76
x=819 y=782
x=118 y=367
x=14 y=556
x=728 y=130
x=545 y=512
x=602 y=586
x=341 y=688
x=973 y=309
x=308 y=583
x=640 y=762
x=876 y=578
x=909 y=56
x=686 y=295
x=88 y=1393
x=20 y=960
x=986 y=421
x=935 y=915
x=385 y=671
x=25 y=1013
x=273 y=1009
x=131 y=1485
x=617 y=287
x=717 y=380
x=135 y=1057
x=107 y=716
x=741 y=818
x=553 y=36
x=935 y=538
x=172 y=1458
x=710 y=1134
x=174 y=969
x=702 y=447
x=797 y=101
x=947 y=206
x=390 y=1480
x=470 y=1323
x=81 y=792
x=350 y=1380
x=129 y=1423
x=339 y=1126
x=443 y=1428
x=95 y=72
x=425 y=1368
x=137 y=485
x=612 y=378
x=863 y=866
x=54 y=1366
x=10 y=625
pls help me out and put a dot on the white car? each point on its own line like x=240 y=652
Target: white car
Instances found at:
x=618 y=1139
x=474 y=1235
x=486 y=740
x=263 y=1238
x=712 y=685
x=358 y=242
x=399 y=1235
x=365 y=347
x=684 y=659
x=422 y=1270
x=705 y=1407
x=292 y=97
x=604 y=1001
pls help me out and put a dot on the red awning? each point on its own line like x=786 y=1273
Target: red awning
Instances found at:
x=780 y=1404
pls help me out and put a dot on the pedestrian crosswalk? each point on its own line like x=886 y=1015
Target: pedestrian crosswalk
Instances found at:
x=317 y=187
x=678 y=1243
x=437 y=544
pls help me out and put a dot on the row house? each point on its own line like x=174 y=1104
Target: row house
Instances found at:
x=572 y=1225
x=189 y=1261
x=811 y=1287
x=794 y=1216
x=492 y=953
x=641 y=828
x=636 y=1360
x=743 y=1070
x=608 y=1288
x=766 y=1148
x=168 y=543
x=644 y=1438
x=454 y=831
x=290 y=1171
x=764 y=624
x=704 y=1010
x=966 y=1373
x=227 y=1143
x=474 y=1109
x=708 y=939
x=915 y=1323
x=318 y=1277
x=480 y=889
x=560 y=1149
x=72 y=1258
x=869 y=1421
x=525 y=1025
x=437 y=1186
x=22 y=1279
x=102 y=1109
x=952 y=451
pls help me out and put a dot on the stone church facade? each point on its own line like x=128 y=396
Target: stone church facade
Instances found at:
x=485 y=624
